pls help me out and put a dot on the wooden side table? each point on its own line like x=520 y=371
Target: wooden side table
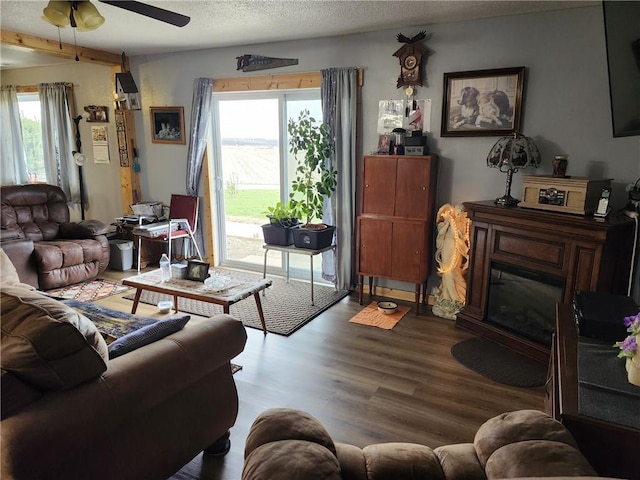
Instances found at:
x=611 y=448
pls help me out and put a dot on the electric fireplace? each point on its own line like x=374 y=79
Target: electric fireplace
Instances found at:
x=523 y=301
x=522 y=262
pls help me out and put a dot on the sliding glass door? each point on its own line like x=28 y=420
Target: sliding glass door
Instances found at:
x=253 y=170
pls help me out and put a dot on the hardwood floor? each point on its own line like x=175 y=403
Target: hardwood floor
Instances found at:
x=365 y=384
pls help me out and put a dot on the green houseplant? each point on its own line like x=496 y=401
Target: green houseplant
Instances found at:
x=282 y=220
x=311 y=143
x=282 y=214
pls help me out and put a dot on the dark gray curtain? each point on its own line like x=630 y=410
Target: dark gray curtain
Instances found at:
x=58 y=139
x=339 y=105
x=200 y=119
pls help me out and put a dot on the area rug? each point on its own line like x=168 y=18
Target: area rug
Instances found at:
x=113 y=324
x=372 y=317
x=499 y=363
x=89 y=291
x=286 y=306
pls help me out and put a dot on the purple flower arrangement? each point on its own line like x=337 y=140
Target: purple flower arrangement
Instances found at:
x=629 y=346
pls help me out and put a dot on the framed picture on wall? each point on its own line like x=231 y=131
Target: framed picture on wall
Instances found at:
x=482 y=102
x=167 y=125
x=96 y=113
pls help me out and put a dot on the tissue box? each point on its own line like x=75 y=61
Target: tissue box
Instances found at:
x=178 y=270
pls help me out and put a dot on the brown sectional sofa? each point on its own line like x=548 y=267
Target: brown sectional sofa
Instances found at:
x=290 y=444
x=48 y=250
x=68 y=412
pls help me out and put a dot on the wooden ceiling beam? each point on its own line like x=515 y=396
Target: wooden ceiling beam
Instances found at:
x=64 y=50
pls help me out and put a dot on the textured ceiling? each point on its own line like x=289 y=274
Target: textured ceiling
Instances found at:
x=218 y=23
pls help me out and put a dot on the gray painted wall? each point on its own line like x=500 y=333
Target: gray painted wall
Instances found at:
x=566 y=99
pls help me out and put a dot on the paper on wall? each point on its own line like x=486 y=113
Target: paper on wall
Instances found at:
x=100 y=144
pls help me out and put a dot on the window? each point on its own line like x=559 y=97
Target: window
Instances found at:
x=29 y=104
x=253 y=171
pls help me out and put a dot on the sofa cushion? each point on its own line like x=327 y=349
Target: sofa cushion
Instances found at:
x=284 y=424
x=512 y=427
x=64 y=262
x=84 y=229
x=460 y=461
x=36 y=210
x=291 y=460
x=146 y=335
x=537 y=458
x=402 y=461
x=46 y=343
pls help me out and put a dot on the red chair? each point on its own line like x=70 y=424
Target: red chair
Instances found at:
x=183 y=212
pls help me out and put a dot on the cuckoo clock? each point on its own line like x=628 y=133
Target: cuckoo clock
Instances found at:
x=410 y=56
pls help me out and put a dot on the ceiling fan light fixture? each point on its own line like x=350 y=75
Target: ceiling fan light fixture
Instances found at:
x=87 y=17
x=57 y=13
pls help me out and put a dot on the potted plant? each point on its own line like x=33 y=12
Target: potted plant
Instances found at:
x=310 y=141
x=282 y=221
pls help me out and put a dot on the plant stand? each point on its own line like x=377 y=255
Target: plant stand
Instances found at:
x=291 y=249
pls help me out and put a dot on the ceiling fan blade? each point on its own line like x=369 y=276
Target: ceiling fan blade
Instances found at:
x=156 y=13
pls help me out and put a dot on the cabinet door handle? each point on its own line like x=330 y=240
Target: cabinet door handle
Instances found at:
x=366 y=185
x=424 y=188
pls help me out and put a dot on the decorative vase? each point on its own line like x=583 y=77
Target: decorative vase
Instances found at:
x=633 y=370
x=559 y=165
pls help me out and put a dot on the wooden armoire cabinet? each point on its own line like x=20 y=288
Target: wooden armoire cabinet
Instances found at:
x=396 y=220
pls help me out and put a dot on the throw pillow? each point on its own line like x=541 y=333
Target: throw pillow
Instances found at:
x=46 y=343
x=147 y=335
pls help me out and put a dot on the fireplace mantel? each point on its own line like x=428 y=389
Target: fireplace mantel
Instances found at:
x=586 y=253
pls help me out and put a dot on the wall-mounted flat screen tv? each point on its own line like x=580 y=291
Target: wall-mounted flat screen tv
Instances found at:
x=622 y=33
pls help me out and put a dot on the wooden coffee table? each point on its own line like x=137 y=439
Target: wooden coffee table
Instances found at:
x=240 y=287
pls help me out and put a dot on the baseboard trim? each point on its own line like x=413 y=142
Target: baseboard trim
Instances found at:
x=397 y=294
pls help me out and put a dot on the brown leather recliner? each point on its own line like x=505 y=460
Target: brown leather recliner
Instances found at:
x=48 y=250
x=284 y=443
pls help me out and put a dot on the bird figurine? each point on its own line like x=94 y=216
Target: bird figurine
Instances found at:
x=416 y=38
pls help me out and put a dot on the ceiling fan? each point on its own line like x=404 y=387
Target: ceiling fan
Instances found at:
x=84 y=16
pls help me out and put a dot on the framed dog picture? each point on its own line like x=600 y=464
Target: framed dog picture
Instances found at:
x=482 y=102
x=167 y=125
x=197 y=271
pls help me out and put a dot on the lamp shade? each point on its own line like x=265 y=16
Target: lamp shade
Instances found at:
x=510 y=154
x=87 y=16
x=57 y=13
x=514 y=152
